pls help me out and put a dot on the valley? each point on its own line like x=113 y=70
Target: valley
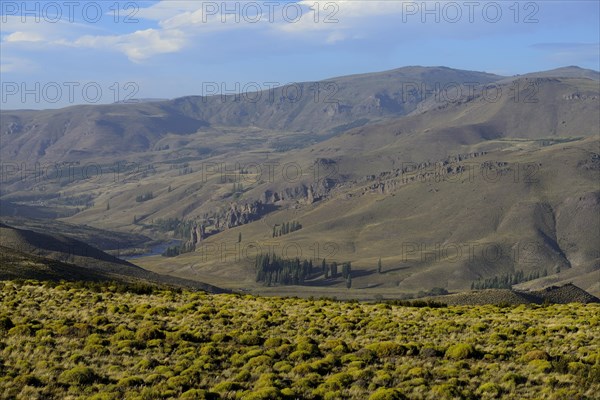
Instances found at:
x=442 y=192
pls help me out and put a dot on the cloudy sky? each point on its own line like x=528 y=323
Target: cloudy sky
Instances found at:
x=58 y=53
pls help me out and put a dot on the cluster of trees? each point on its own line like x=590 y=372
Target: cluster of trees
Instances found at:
x=331 y=270
x=285 y=228
x=181 y=228
x=185 y=169
x=144 y=197
x=174 y=251
x=274 y=270
x=505 y=281
x=271 y=269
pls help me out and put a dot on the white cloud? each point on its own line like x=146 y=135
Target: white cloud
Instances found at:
x=137 y=46
x=24 y=37
x=16 y=64
x=165 y=10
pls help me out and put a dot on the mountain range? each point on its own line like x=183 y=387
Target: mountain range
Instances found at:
x=446 y=178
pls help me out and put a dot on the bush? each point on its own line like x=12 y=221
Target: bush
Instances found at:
x=78 y=376
x=535 y=355
x=387 y=349
x=490 y=389
x=387 y=394
x=225 y=387
x=250 y=339
x=21 y=330
x=149 y=333
x=541 y=365
x=130 y=381
x=266 y=393
x=5 y=324
x=514 y=378
x=198 y=394
x=460 y=351
x=339 y=381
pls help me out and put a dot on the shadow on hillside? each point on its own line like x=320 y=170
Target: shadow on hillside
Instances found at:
x=324 y=282
x=371 y=286
x=359 y=273
x=385 y=271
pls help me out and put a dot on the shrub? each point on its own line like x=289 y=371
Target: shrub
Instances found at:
x=339 y=381
x=225 y=387
x=273 y=342
x=490 y=389
x=220 y=338
x=6 y=324
x=299 y=355
x=265 y=393
x=514 y=378
x=250 y=339
x=21 y=330
x=308 y=345
x=282 y=366
x=387 y=349
x=130 y=381
x=535 y=355
x=429 y=352
x=198 y=394
x=78 y=376
x=259 y=360
x=149 y=333
x=387 y=394
x=460 y=351
x=541 y=365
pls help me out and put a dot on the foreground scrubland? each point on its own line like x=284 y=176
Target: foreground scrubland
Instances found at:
x=104 y=341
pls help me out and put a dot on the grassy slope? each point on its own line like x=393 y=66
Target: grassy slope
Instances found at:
x=29 y=255
x=535 y=222
x=106 y=345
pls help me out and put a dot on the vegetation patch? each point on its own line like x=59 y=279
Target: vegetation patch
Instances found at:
x=104 y=341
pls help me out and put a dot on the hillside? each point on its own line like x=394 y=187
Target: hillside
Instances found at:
x=565 y=294
x=437 y=196
x=98 y=343
x=92 y=132
x=27 y=254
x=16 y=264
x=447 y=193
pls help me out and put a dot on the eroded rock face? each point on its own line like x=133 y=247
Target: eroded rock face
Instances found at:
x=307 y=194
x=241 y=214
x=198 y=234
x=235 y=215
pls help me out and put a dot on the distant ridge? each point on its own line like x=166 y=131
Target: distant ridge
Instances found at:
x=564 y=72
x=565 y=294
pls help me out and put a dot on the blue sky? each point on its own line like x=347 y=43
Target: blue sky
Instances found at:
x=59 y=53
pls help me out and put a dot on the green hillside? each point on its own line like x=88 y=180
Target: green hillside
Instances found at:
x=96 y=343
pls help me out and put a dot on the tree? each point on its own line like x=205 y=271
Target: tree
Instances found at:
x=334 y=269
x=346 y=268
x=379 y=265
